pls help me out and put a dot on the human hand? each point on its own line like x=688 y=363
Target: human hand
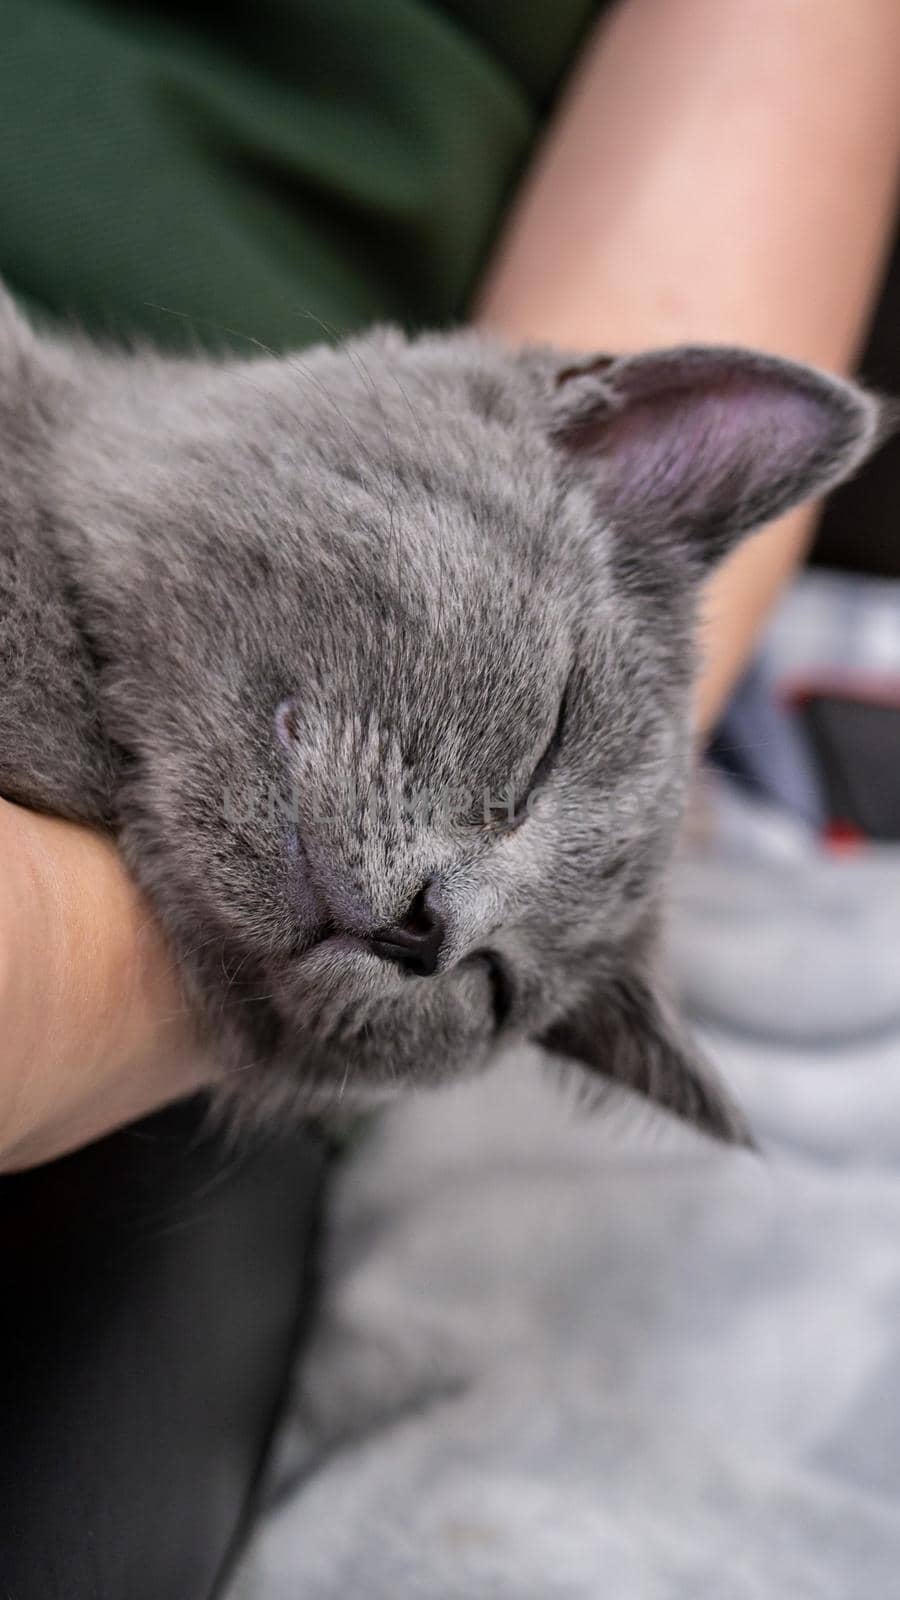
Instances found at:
x=95 y=1031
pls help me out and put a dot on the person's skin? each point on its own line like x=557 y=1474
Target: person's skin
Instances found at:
x=93 y=1030
x=718 y=170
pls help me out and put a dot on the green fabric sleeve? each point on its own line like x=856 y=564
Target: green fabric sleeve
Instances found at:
x=260 y=169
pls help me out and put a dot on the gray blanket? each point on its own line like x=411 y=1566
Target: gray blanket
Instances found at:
x=570 y=1359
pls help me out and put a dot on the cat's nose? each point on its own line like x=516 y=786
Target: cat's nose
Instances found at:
x=415 y=943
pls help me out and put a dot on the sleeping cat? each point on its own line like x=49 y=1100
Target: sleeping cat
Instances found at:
x=379 y=664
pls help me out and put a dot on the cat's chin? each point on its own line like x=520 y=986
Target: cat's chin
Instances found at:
x=354 y=1030
x=339 y=988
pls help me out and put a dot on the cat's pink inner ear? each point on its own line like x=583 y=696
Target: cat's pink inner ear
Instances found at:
x=709 y=444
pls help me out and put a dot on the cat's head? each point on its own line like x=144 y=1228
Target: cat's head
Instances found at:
x=404 y=675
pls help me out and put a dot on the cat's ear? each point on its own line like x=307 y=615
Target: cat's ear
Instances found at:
x=702 y=444
x=630 y=1033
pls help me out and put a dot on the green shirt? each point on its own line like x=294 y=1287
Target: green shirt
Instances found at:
x=258 y=169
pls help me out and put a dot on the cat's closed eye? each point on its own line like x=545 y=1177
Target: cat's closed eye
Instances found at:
x=516 y=803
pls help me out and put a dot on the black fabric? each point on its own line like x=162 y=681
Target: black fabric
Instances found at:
x=860 y=531
x=857 y=745
x=155 y=1286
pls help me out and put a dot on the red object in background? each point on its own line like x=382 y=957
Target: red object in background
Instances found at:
x=853 y=725
x=843 y=838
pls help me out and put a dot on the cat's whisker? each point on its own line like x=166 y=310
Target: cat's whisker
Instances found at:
x=344 y=1081
x=289 y=361
x=203 y=944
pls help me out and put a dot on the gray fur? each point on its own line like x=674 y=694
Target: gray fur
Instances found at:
x=379 y=569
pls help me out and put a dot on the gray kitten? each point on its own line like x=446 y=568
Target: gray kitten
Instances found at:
x=379 y=664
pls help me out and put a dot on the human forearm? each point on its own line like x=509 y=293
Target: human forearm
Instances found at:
x=94 y=1029
x=717 y=171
